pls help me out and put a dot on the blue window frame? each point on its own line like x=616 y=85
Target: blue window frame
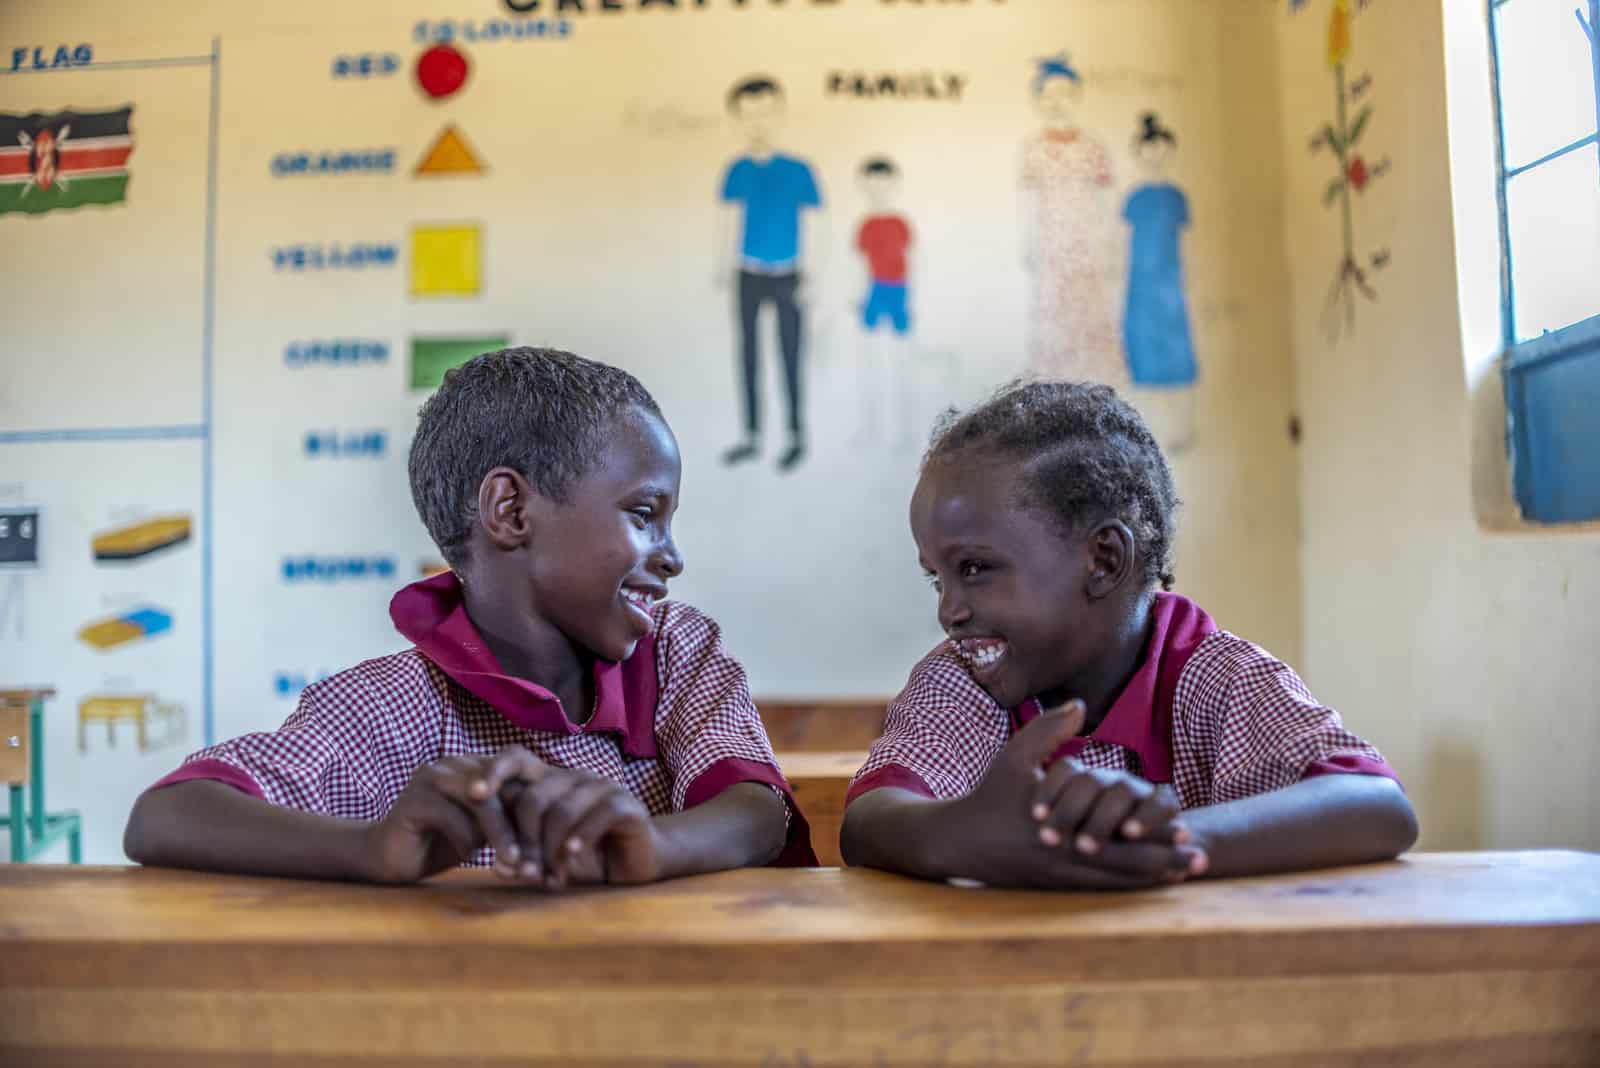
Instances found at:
x=1545 y=57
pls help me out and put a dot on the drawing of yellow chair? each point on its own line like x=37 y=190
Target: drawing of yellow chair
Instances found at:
x=142 y=709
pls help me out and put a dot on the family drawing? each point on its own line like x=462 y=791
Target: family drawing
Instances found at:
x=1076 y=245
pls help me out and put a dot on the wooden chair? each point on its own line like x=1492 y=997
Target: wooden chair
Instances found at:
x=30 y=828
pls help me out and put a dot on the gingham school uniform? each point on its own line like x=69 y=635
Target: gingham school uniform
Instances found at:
x=1214 y=715
x=674 y=723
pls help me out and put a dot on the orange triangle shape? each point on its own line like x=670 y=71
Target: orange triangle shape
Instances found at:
x=450 y=154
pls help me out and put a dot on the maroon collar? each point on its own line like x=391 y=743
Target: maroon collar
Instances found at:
x=1140 y=718
x=433 y=616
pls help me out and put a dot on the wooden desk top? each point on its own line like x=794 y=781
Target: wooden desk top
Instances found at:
x=1464 y=956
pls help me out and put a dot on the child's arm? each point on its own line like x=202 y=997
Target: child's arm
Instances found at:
x=209 y=825
x=1320 y=822
x=1283 y=785
x=742 y=826
x=711 y=739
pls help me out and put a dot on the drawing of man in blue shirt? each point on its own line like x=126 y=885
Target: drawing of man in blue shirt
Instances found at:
x=769 y=190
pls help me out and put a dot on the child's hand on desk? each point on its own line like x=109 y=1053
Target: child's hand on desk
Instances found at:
x=1022 y=826
x=576 y=828
x=1113 y=820
x=443 y=816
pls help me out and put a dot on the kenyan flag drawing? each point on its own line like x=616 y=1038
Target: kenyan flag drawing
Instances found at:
x=63 y=160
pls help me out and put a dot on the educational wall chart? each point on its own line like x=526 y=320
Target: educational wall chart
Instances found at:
x=253 y=244
x=19 y=552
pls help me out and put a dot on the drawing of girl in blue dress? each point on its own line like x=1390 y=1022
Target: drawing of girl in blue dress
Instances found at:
x=1155 y=322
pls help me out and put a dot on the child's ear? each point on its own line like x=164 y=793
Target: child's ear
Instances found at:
x=505 y=508
x=1112 y=553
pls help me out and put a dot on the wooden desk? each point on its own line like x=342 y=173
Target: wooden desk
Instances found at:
x=819 y=781
x=1464 y=959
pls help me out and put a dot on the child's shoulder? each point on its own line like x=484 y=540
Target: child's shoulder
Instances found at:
x=679 y=619
x=942 y=677
x=1226 y=670
x=685 y=637
x=406 y=678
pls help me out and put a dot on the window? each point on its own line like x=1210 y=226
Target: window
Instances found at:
x=1546 y=66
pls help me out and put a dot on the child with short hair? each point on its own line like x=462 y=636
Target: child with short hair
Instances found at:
x=557 y=717
x=1079 y=729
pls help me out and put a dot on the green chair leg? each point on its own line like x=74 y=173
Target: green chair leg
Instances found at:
x=17 y=825
x=75 y=843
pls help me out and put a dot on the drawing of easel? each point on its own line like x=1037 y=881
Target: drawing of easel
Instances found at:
x=142 y=709
x=31 y=829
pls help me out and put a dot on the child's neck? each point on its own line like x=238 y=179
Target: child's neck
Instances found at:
x=1102 y=682
x=529 y=647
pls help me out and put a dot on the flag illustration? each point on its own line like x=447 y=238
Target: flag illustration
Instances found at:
x=65 y=159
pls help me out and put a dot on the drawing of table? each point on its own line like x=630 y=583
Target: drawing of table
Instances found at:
x=141 y=708
x=30 y=828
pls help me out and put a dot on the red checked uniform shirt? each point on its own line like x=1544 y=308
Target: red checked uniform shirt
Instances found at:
x=1208 y=712
x=674 y=723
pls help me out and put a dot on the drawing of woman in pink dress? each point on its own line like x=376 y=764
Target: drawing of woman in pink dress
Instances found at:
x=1070 y=238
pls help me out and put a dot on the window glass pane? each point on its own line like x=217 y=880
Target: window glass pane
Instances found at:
x=1554 y=215
x=1546 y=77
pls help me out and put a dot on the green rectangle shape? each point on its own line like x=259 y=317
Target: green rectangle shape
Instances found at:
x=431 y=357
x=71 y=193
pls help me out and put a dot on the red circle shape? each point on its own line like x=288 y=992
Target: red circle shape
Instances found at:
x=441 y=70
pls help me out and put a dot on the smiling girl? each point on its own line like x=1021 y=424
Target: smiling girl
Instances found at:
x=1081 y=726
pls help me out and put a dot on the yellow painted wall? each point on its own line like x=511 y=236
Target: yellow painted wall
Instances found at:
x=1463 y=641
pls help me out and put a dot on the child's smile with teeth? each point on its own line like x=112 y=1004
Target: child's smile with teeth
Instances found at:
x=981 y=652
x=641 y=601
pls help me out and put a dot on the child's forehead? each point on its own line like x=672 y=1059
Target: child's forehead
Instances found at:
x=638 y=447
x=962 y=486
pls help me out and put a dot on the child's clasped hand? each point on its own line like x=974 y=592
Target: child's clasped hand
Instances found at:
x=1034 y=822
x=549 y=827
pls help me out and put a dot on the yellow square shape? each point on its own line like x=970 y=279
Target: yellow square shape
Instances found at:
x=446 y=260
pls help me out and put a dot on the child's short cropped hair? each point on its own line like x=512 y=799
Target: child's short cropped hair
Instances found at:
x=1086 y=454
x=543 y=412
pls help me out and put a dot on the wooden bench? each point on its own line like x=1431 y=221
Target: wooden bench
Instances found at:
x=820 y=743
x=831 y=725
x=819 y=781
x=1460 y=960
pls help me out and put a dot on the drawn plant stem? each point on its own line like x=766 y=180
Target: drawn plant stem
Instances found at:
x=1342 y=136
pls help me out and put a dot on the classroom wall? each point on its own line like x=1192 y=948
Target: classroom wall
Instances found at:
x=1460 y=639
x=154 y=348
